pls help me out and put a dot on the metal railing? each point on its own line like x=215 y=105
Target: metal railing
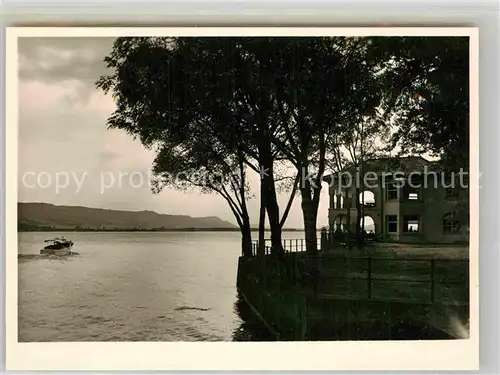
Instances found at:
x=289 y=245
x=429 y=280
x=417 y=271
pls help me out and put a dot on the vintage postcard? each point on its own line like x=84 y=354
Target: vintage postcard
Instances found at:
x=242 y=199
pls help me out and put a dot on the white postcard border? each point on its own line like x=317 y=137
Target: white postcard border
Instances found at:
x=377 y=355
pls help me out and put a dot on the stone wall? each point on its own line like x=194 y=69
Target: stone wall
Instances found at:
x=295 y=305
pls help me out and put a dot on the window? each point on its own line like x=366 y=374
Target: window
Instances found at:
x=338 y=201
x=392 y=192
x=367 y=199
x=341 y=223
x=411 y=192
x=451 y=224
x=367 y=224
x=413 y=196
x=411 y=224
x=392 y=223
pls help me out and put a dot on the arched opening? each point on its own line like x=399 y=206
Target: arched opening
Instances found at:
x=340 y=223
x=338 y=201
x=367 y=198
x=368 y=224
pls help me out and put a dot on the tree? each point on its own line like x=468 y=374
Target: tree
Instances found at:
x=429 y=77
x=364 y=140
x=200 y=103
x=224 y=103
x=322 y=87
x=313 y=84
x=201 y=164
x=429 y=100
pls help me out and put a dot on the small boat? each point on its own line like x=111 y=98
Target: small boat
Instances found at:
x=57 y=246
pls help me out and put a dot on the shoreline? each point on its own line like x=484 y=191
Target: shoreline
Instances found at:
x=52 y=230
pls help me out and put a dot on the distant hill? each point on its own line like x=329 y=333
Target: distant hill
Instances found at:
x=255 y=228
x=40 y=216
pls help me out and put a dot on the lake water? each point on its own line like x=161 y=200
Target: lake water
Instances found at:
x=133 y=286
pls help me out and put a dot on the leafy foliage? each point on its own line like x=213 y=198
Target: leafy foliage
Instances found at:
x=219 y=107
x=429 y=96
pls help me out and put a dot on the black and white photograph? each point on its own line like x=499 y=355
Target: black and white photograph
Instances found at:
x=246 y=188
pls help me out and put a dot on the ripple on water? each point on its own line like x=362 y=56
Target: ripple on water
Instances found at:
x=97 y=319
x=129 y=287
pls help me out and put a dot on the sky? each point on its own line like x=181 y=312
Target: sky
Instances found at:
x=67 y=156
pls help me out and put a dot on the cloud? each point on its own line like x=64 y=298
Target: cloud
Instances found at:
x=58 y=59
x=62 y=129
x=49 y=113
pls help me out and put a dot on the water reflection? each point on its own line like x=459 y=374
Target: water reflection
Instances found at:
x=251 y=327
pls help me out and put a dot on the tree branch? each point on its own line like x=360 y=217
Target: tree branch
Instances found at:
x=290 y=200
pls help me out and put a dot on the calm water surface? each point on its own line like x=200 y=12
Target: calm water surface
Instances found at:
x=168 y=286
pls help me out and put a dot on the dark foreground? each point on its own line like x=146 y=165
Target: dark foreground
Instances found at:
x=332 y=297
x=253 y=329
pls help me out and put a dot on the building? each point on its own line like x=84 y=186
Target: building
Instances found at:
x=402 y=199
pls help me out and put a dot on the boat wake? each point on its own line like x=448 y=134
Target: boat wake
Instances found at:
x=24 y=257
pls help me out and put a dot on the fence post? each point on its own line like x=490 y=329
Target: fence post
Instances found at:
x=324 y=240
x=433 y=271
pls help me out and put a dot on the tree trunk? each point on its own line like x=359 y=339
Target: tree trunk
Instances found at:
x=262 y=222
x=246 y=239
x=246 y=230
x=268 y=189
x=243 y=220
x=310 y=227
x=309 y=213
x=273 y=215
